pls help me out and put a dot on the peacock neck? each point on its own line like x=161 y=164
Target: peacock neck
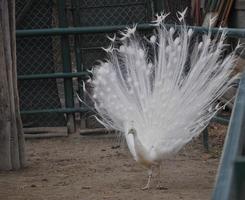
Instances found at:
x=139 y=147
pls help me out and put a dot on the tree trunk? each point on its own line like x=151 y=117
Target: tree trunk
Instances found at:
x=12 y=153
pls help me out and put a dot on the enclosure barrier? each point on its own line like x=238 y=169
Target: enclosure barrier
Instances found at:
x=231 y=32
x=230 y=182
x=47 y=98
x=231 y=175
x=68 y=75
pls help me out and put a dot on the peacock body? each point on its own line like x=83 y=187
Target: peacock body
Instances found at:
x=161 y=92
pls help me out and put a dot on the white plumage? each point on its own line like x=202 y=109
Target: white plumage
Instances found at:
x=160 y=102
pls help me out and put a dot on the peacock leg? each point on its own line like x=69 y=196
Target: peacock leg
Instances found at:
x=159 y=185
x=149 y=180
x=159 y=182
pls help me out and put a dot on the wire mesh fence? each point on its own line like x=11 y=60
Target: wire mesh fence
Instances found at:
x=38 y=55
x=43 y=54
x=105 y=13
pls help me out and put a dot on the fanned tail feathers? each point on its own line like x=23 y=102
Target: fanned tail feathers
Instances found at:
x=170 y=95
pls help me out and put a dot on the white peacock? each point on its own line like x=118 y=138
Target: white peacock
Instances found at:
x=154 y=100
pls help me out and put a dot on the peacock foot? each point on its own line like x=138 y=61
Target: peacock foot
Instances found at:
x=147 y=187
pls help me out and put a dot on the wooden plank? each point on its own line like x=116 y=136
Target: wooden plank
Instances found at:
x=95 y=131
x=37 y=130
x=44 y=135
x=5 y=122
x=12 y=153
x=19 y=126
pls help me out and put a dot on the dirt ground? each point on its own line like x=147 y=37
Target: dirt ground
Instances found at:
x=91 y=168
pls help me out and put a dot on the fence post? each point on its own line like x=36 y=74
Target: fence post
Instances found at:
x=158 y=6
x=66 y=58
x=78 y=55
x=205 y=139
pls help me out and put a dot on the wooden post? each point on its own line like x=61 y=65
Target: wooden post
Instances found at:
x=12 y=153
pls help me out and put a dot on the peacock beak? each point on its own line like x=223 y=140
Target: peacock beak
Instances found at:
x=132 y=131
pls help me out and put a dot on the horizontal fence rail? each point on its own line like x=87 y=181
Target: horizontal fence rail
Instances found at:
x=231 y=32
x=58 y=110
x=54 y=75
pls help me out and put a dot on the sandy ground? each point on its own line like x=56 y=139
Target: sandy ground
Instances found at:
x=90 y=168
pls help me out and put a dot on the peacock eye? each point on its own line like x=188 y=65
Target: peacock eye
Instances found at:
x=136 y=83
x=122 y=48
x=208 y=41
x=190 y=32
x=171 y=31
x=130 y=50
x=179 y=48
x=149 y=65
x=137 y=63
x=153 y=39
x=176 y=41
x=141 y=53
x=129 y=80
x=200 y=45
x=168 y=49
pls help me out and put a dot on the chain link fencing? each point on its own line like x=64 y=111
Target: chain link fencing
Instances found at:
x=42 y=54
x=38 y=55
x=105 y=13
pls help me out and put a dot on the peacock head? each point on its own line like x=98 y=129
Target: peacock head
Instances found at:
x=132 y=130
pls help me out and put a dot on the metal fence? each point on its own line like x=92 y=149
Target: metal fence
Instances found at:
x=38 y=55
x=43 y=99
x=46 y=97
x=87 y=46
x=51 y=64
x=231 y=175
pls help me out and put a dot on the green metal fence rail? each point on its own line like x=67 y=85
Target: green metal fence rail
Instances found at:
x=39 y=55
x=52 y=62
x=67 y=74
x=53 y=75
x=230 y=184
x=231 y=32
x=82 y=75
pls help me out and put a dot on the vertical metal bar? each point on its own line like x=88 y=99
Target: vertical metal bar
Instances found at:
x=205 y=139
x=23 y=12
x=158 y=6
x=148 y=10
x=77 y=46
x=66 y=58
x=225 y=181
x=78 y=53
